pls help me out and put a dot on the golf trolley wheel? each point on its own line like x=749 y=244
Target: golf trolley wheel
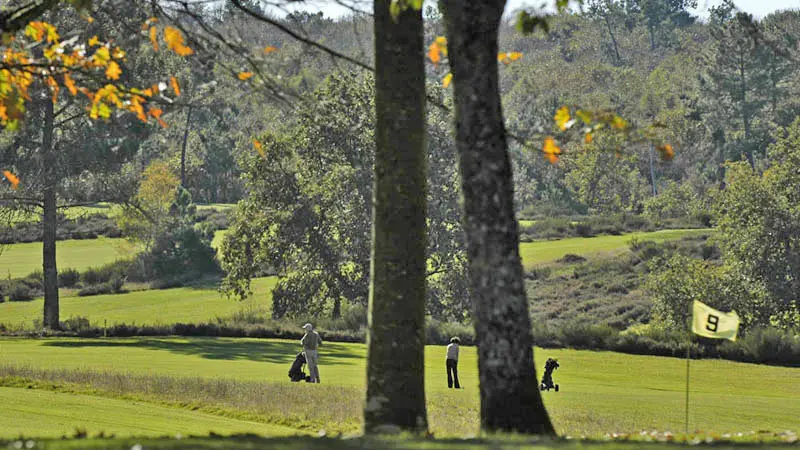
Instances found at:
x=556 y=388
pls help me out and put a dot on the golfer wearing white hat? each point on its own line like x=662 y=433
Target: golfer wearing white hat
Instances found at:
x=310 y=342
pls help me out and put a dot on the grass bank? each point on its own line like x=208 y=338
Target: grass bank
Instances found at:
x=601 y=392
x=152 y=307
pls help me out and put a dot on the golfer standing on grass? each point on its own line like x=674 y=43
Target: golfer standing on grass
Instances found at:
x=452 y=363
x=310 y=342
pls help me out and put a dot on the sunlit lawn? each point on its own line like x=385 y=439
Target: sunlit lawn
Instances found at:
x=600 y=391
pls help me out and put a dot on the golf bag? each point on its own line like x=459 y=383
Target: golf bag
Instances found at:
x=296 y=372
x=547 y=378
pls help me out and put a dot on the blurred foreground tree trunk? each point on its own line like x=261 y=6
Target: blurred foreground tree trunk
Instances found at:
x=509 y=391
x=396 y=342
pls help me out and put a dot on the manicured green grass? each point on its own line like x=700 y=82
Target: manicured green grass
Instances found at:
x=540 y=252
x=601 y=392
x=153 y=307
x=45 y=414
x=18 y=260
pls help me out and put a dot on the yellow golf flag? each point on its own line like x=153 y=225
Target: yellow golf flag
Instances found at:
x=710 y=323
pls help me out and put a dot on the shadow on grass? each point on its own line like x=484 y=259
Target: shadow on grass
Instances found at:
x=229 y=349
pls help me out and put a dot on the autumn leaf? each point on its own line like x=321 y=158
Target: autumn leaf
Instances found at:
x=587 y=139
x=447 y=80
x=259 y=148
x=513 y=56
x=551 y=150
x=666 y=151
x=93 y=41
x=434 y=54
x=270 y=48
x=562 y=118
x=619 y=123
x=244 y=76
x=113 y=71
x=11 y=179
x=175 y=87
x=102 y=56
x=154 y=38
x=70 y=84
x=175 y=41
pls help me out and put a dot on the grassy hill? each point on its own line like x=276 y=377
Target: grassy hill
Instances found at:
x=153 y=307
x=601 y=392
x=18 y=260
x=539 y=252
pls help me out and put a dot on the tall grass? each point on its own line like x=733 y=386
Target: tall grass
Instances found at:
x=311 y=407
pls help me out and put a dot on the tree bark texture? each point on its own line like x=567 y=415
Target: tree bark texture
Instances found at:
x=49 y=221
x=395 y=366
x=509 y=391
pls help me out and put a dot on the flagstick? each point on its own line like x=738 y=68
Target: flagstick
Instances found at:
x=688 y=358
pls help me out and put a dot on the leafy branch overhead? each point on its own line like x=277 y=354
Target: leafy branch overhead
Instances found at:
x=587 y=123
x=90 y=70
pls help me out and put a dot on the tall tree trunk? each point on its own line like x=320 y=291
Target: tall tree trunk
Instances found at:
x=183 y=147
x=396 y=343
x=509 y=392
x=613 y=38
x=49 y=221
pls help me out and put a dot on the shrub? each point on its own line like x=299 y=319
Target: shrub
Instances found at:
x=584 y=335
x=68 y=278
x=20 y=292
x=76 y=324
x=34 y=281
x=355 y=317
x=95 y=289
x=92 y=276
x=570 y=258
x=538 y=273
x=114 y=286
x=767 y=345
x=439 y=333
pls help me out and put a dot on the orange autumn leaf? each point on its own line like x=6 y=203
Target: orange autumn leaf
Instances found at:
x=666 y=151
x=113 y=71
x=175 y=87
x=259 y=148
x=70 y=84
x=588 y=138
x=93 y=41
x=434 y=54
x=155 y=112
x=437 y=49
x=175 y=41
x=11 y=179
x=244 y=76
x=551 y=150
x=154 y=38
x=270 y=49
x=513 y=56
